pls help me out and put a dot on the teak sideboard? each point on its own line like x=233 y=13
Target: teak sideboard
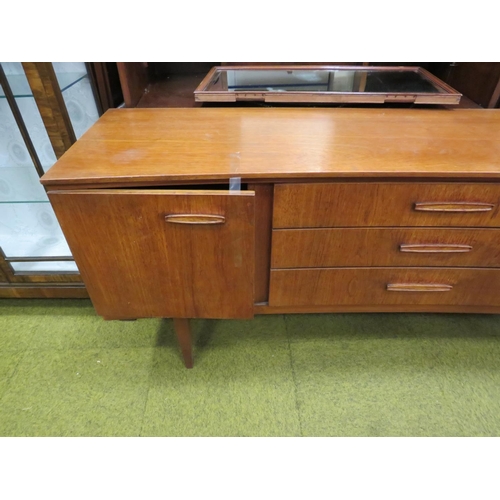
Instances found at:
x=339 y=210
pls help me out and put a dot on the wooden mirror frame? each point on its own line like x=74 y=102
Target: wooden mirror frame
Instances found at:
x=447 y=96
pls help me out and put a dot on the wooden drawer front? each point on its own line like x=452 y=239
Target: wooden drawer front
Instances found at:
x=183 y=254
x=386 y=204
x=385 y=286
x=372 y=247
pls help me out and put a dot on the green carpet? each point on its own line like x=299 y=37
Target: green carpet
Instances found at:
x=66 y=372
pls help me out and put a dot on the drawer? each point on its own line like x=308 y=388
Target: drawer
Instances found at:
x=384 y=286
x=372 y=247
x=346 y=204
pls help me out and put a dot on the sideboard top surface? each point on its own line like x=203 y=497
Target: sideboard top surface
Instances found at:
x=130 y=146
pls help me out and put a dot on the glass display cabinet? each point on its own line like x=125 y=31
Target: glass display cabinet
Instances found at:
x=44 y=108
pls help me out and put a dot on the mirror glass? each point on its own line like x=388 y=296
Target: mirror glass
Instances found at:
x=339 y=80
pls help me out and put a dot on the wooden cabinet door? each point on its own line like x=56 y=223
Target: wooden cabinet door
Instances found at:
x=160 y=253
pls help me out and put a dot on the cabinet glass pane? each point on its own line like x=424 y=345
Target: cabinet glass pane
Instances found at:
x=20 y=185
x=340 y=80
x=20 y=86
x=19 y=181
x=78 y=95
x=66 y=267
x=31 y=230
x=28 y=225
x=25 y=101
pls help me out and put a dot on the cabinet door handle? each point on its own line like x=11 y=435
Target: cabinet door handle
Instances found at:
x=195 y=219
x=418 y=287
x=431 y=206
x=434 y=248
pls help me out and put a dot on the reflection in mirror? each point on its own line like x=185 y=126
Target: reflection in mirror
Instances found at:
x=321 y=80
x=363 y=84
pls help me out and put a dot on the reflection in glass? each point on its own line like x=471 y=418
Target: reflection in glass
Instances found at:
x=28 y=225
x=19 y=181
x=78 y=96
x=31 y=230
x=25 y=101
x=340 y=80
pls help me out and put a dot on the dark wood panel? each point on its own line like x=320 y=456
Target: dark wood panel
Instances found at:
x=136 y=264
x=3 y=275
x=372 y=247
x=48 y=277
x=50 y=102
x=385 y=286
x=98 y=83
x=176 y=91
x=263 y=232
x=134 y=81
x=107 y=83
x=45 y=291
x=495 y=96
x=183 y=333
x=428 y=308
x=476 y=80
x=386 y=204
x=158 y=70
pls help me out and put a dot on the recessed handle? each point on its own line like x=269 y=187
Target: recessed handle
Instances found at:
x=202 y=219
x=418 y=287
x=434 y=248
x=459 y=206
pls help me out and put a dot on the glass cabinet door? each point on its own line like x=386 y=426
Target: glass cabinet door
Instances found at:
x=31 y=239
x=78 y=96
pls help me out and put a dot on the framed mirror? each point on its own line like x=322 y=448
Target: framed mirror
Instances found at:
x=325 y=84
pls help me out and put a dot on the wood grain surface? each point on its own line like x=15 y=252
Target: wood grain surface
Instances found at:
x=346 y=204
x=3 y=274
x=354 y=286
x=263 y=234
x=183 y=333
x=50 y=102
x=373 y=247
x=134 y=81
x=136 y=265
x=378 y=308
x=162 y=145
x=43 y=291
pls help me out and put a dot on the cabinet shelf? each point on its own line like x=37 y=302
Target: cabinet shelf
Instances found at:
x=20 y=87
x=23 y=202
x=21 y=185
x=31 y=230
x=33 y=250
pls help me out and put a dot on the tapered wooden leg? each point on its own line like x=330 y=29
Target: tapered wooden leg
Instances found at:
x=183 y=332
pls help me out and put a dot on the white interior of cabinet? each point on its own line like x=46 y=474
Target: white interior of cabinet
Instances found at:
x=28 y=226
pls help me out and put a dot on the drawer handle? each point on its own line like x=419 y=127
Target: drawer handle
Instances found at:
x=453 y=207
x=434 y=248
x=195 y=219
x=418 y=287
